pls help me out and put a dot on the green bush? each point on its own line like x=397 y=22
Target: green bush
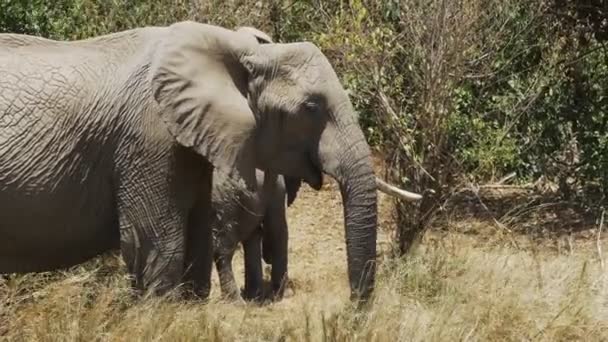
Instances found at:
x=446 y=90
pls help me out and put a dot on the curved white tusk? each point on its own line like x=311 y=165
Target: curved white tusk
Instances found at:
x=396 y=192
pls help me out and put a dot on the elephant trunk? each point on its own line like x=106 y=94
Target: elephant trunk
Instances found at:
x=345 y=156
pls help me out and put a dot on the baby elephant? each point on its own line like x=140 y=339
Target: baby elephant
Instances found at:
x=258 y=220
x=254 y=219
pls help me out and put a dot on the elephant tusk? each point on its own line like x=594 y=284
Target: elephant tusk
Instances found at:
x=396 y=192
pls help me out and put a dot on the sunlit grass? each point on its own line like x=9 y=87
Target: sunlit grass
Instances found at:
x=437 y=294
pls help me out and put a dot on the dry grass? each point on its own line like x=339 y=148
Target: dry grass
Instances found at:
x=451 y=288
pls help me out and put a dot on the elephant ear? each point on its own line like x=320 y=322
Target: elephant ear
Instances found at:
x=199 y=79
x=292 y=185
x=261 y=37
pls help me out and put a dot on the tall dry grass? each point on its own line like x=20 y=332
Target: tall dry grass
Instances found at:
x=447 y=290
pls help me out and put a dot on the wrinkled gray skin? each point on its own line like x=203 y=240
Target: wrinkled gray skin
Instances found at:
x=252 y=218
x=112 y=141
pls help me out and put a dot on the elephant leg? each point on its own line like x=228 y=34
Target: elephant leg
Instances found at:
x=152 y=236
x=254 y=280
x=199 y=253
x=275 y=235
x=266 y=246
x=223 y=263
x=199 y=248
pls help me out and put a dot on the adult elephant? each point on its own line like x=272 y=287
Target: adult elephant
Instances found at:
x=113 y=140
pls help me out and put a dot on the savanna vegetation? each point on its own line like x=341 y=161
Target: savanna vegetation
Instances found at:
x=496 y=110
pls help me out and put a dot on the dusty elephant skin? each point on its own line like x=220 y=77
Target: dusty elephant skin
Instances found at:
x=111 y=141
x=250 y=218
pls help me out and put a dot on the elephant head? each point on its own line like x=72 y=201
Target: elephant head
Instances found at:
x=278 y=107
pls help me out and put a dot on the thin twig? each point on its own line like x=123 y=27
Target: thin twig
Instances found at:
x=389 y=109
x=468 y=336
x=506 y=186
x=506 y=178
x=599 y=240
x=475 y=191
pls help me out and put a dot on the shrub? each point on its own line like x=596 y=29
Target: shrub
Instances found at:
x=446 y=90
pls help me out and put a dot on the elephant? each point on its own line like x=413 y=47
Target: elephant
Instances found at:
x=111 y=142
x=255 y=220
x=258 y=219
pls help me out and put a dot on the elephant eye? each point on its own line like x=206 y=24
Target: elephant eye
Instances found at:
x=310 y=106
x=313 y=103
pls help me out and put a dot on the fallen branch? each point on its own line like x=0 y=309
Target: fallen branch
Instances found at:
x=505 y=186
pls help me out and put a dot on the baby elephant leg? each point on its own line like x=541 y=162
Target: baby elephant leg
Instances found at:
x=223 y=263
x=254 y=280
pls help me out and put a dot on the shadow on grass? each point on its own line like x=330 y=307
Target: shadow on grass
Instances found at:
x=525 y=211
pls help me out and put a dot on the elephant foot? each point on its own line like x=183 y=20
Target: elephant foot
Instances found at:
x=191 y=292
x=284 y=290
x=173 y=294
x=253 y=296
x=155 y=289
x=232 y=297
x=238 y=300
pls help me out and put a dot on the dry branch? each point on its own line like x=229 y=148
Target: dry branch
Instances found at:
x=599 y=240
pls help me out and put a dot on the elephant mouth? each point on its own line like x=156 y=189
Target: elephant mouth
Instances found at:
x=315 y=181
x=314 y=177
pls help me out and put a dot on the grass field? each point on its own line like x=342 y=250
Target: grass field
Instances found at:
x=469 y=284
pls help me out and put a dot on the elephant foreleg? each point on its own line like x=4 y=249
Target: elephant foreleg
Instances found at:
x=267 y=246
x=199 y=248
x=254 y=280
x=151 y=237
x=275 y=236
x=199 y=253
